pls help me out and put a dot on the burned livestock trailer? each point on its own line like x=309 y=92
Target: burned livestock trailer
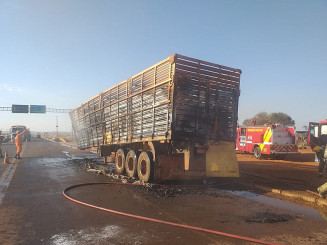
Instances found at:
x=177 y=118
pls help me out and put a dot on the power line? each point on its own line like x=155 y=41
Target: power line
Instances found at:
x=58 y=110
x=53 y=110
x=5 y=108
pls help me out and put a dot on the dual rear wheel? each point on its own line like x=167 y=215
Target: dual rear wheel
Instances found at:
x=134 y=165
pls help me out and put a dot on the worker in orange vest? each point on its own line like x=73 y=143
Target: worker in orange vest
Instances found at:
x=19 y=143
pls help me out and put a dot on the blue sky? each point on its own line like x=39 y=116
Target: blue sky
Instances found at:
x=60 y=53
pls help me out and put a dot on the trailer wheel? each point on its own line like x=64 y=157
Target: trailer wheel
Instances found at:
x=120 y=161
x=131 y=163
x=144 y=167
x=257 y=152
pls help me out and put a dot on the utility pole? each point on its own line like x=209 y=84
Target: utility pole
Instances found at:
x=57 y=125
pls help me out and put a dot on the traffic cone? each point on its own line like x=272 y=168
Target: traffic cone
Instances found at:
x=6 y=159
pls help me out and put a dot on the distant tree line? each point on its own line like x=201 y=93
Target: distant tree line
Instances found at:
x=264 y=118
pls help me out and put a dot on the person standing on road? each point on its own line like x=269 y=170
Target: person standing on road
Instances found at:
x=320 y=152
x=19 y=143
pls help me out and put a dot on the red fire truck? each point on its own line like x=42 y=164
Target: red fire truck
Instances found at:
x=273 y=140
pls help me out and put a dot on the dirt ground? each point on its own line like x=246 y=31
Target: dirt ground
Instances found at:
x=296 y=176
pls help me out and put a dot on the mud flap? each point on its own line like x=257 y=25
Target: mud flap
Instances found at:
x=221 y=160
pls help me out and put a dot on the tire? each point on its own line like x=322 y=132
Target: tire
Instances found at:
x=144 y=167
x=120 y=161
x=131 y=164
x=257 y=152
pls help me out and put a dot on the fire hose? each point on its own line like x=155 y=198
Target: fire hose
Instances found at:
x=248 y=239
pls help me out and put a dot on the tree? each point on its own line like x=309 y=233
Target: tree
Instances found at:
x=263 y=118
x=260 y=118
x=282 y=119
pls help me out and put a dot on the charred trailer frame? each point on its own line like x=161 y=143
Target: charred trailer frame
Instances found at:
x=176 y=118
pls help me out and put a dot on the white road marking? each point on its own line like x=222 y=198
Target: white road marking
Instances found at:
x=7 y=176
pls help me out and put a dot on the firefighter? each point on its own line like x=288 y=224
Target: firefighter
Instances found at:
x=19 y=143
x=320 y=152
x=253 y=122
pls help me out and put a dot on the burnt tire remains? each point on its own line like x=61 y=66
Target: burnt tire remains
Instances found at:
x=120 y=161
x=144 y=167
x=131 y=164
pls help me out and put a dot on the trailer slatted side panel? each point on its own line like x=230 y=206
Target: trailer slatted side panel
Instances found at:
x=179 y=98
x=131 y=111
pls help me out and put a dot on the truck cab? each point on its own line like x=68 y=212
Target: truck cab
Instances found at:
x=317 y=133
x=15 y=129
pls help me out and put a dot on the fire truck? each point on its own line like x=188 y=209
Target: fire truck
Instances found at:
x=317 y=133
x=272 y=141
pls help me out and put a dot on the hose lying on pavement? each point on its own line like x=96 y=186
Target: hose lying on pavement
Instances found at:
x=155 y=220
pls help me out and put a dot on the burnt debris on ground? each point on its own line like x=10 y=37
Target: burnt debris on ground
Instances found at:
x=269 y=217
x=165 y=189
x=82 y=164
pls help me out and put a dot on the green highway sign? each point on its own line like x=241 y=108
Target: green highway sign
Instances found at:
x=19 y=109
x=37 y=108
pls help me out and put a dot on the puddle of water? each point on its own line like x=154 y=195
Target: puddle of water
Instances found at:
x=310 y=212
x=111 y=234
x=86 y=236
x=55 y=167
x=66 y=153
x=79 y=156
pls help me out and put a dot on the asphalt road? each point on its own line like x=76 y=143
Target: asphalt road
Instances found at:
x=34 y=211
